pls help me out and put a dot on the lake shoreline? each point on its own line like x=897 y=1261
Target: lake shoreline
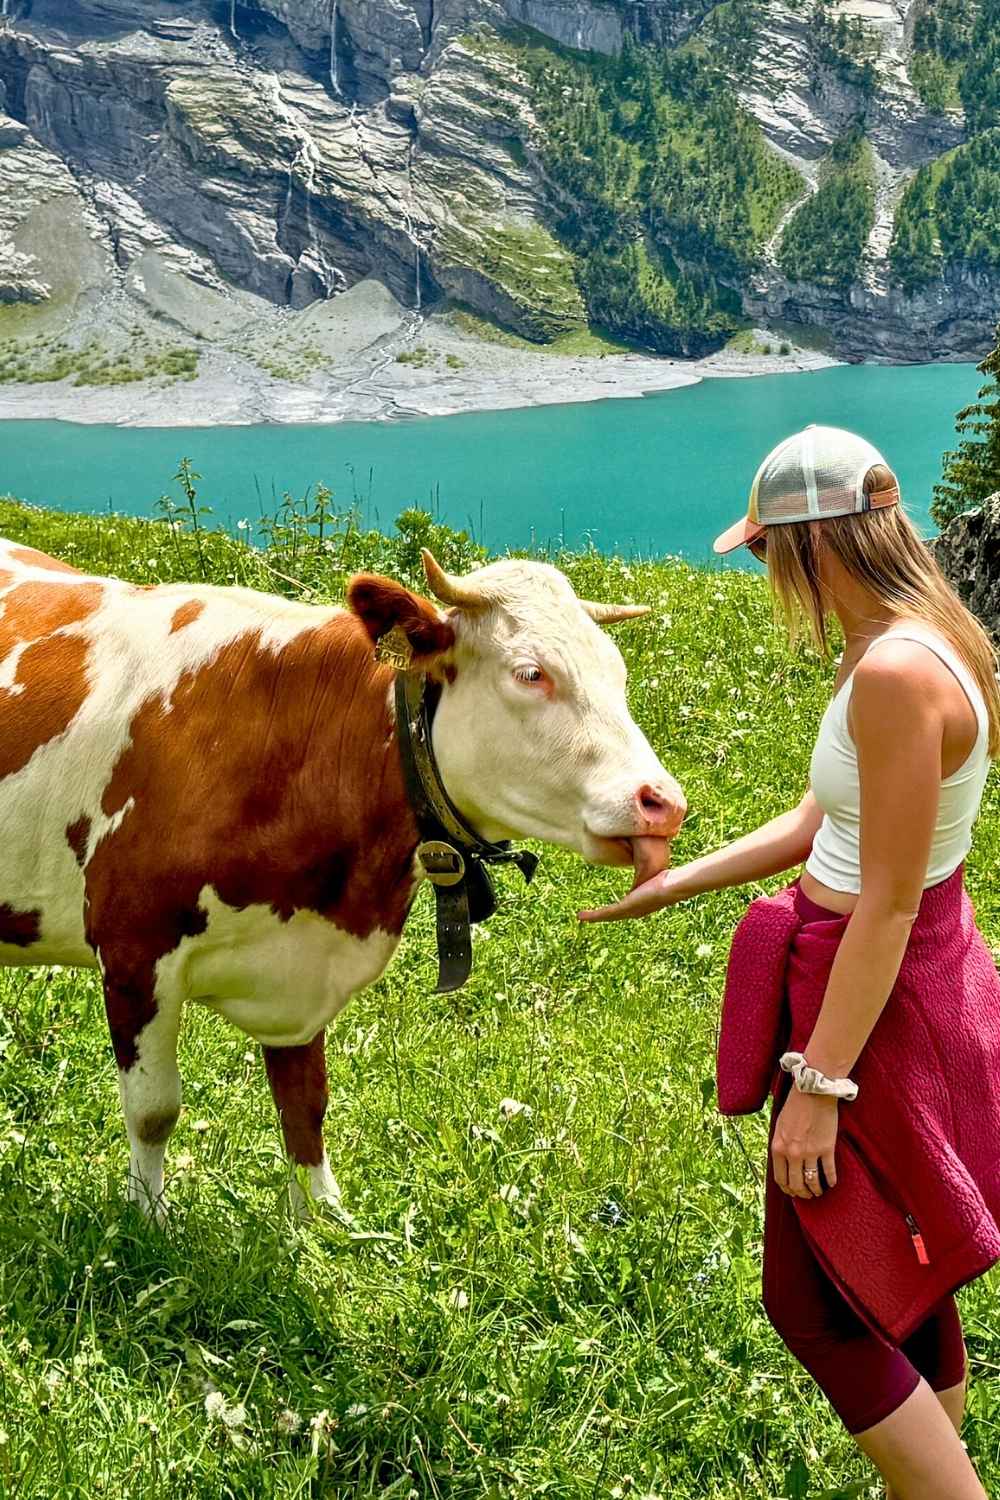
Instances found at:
x=388 y=364
x=641 y=479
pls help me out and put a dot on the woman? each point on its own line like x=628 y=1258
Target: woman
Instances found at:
x=891 y=1098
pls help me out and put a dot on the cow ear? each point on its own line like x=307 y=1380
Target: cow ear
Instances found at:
x=383 y=605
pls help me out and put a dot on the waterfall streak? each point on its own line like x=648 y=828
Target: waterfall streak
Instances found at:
x=334 y=66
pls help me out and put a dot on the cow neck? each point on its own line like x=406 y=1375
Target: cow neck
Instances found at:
x=451 y=854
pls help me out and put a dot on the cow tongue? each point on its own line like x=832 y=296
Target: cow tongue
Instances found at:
x=649 y=857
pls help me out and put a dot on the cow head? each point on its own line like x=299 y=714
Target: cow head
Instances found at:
x=533 y=735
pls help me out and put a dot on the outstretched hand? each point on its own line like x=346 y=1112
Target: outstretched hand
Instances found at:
x=642 y=900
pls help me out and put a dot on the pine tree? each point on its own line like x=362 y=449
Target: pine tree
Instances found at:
x=972 y=470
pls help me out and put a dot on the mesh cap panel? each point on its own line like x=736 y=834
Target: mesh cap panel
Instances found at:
x=818 y=472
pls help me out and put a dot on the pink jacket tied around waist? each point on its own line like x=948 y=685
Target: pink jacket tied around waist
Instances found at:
x=915 y=1210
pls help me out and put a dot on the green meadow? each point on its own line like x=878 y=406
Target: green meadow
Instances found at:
x=548 y=1286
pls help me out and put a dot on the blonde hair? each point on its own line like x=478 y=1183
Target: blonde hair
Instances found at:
x=882 y=550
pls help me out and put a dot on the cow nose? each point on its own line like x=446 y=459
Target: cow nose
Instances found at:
x=662 y=811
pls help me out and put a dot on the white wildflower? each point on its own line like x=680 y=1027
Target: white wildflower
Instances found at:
x=703 y=950
x=243 y=524
x=356 y=1410
x=511 y=1108
x=234 y=1417
x=510 y=1192
x=288 y=1421
x=201 y=1125
x=215 y=1406
x=458 y=1300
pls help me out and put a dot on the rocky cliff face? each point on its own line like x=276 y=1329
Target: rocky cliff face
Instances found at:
x=187 y=159
x=968 y=550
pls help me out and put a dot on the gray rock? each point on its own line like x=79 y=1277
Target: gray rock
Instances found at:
x=968 y=551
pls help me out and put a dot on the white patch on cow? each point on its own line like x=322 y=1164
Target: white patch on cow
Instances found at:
x=8 y=668
x=280 y=982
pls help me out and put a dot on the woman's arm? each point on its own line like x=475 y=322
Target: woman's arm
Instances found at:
x=897 y=723
x=776 y=846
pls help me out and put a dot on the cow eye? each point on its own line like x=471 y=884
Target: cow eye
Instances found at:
x=532 y=675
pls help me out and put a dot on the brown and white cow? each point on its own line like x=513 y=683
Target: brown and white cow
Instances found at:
x=201 y=793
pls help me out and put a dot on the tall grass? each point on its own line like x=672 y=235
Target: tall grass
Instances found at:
x=555 y=1301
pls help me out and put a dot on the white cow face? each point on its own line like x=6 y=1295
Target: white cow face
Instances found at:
x=533 y=735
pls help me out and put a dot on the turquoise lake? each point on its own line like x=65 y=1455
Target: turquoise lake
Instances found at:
x=639 y=477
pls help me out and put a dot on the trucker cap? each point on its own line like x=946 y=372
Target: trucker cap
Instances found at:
x=816 y=473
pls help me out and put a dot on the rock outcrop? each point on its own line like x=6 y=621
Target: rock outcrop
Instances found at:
x=968 y=550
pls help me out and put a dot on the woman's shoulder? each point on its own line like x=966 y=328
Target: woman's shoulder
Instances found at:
x=902 y=675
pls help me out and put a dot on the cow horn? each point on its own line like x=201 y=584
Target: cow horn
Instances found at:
x=610 y=614
x=462 y=593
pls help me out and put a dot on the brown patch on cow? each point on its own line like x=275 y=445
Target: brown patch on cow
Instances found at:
x=380 y=604
x=186 y=614
x=77 y=837
x=6 y=578
x=34 y=610
x=272 y=777
x=19 y=928
x=50 y=683
x=53 y=674
x=297 y=1076
x=450 y=673
x=154 y=1129
x=33 y=559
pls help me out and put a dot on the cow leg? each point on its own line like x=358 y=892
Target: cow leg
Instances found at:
x=297 y=1076
x=144 y=1037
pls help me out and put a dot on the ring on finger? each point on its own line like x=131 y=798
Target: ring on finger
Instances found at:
x=809 y=1173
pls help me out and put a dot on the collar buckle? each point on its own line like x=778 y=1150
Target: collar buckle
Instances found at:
x=441 y=863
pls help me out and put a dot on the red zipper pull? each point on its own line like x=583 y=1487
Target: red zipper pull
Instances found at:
x=918 y=1240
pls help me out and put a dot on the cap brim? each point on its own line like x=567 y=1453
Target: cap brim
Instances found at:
x=738 y=535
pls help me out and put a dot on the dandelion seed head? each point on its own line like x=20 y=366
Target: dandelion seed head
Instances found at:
x=215 y=1405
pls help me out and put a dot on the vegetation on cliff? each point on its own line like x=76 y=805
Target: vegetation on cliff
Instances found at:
x=825 y=240
x=844 y=45
x=972 y=470
x=980 y=82
x=942 y=37
x=949 y=215
x=664 y=187
x=558 y=1301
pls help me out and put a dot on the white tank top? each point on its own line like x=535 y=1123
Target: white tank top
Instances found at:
x=836 y=853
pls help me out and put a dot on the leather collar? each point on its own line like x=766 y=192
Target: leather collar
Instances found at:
x=453 y=856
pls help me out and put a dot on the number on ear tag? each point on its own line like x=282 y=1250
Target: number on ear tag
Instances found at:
x=394 y=649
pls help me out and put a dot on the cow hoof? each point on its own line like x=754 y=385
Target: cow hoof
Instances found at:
x=305 y=1205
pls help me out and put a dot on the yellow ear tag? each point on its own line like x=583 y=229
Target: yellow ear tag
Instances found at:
x=394 y=649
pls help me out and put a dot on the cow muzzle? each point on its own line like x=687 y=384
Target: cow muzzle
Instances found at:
x=651 y=819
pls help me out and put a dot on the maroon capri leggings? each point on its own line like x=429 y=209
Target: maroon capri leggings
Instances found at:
x=864 y=1378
